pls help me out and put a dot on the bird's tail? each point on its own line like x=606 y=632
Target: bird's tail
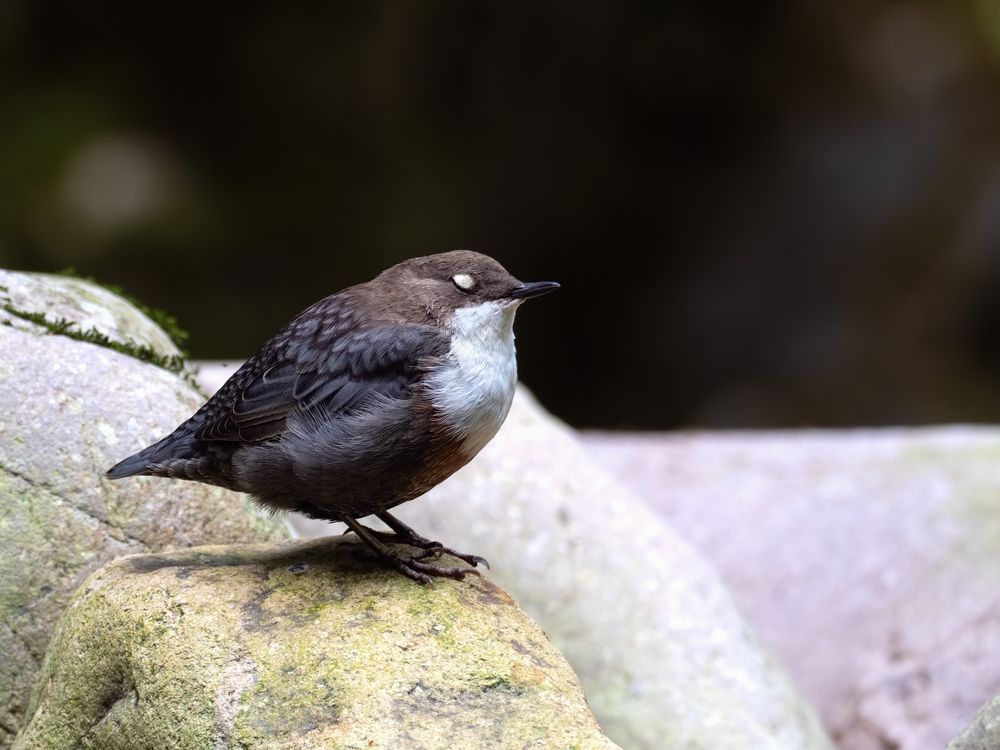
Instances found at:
x=149 y=460
x=134 y=464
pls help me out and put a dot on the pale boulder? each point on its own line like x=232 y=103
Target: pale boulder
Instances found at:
x=68 y=410
x=305 y=646
x=664 y=655
x=868 y=560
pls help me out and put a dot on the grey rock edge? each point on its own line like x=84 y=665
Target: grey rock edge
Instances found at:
x=83 y=303
x=295 y=647
x=664 y=656
x=68 y=410
x=984 y=732
x=868 y=560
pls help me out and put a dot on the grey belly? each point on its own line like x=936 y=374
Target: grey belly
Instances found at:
x=343 y=466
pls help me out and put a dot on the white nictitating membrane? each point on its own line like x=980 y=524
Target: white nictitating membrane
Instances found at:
x=473 y=389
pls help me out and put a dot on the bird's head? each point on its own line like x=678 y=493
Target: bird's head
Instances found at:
x=442 y=284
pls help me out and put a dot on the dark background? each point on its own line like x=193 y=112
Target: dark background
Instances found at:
x=775 y=213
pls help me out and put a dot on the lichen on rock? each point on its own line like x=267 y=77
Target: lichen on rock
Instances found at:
x=69 y=410
x=664 y=655
x=303 y=645
x=984 y=731
x=85 y=311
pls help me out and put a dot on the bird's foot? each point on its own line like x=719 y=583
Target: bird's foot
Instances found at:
x=439 y=549
x=414 y=566
x=430 y=548
x=403 y=534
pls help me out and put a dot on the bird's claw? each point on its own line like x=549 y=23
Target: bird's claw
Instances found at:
x=440 y=549
x=414 y=567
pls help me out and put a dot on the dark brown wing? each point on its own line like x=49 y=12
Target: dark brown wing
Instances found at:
x=332 y=376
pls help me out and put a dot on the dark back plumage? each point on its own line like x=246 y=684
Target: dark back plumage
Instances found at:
x=370 y=341
x=365 y=400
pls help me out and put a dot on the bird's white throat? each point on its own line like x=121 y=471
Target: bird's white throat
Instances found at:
x=473 y=389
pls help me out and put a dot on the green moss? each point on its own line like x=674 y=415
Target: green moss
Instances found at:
x=240 y=652
x=163 y=319
x=62 y=327
x=290 y=697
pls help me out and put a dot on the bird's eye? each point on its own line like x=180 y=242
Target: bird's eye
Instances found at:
x=464 y=282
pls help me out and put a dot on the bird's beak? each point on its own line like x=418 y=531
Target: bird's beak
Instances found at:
x=533 y=289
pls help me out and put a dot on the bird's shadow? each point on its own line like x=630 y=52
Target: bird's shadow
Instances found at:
x=339 y=553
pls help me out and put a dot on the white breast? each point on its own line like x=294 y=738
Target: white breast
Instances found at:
x=473 y=389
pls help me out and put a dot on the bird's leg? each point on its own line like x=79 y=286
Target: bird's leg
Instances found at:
x=405 y=535
x=411 y=566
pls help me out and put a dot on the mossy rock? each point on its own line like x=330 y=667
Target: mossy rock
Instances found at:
x=84 y=311
x=664 y=655
x=68 y=410
x=303 y=645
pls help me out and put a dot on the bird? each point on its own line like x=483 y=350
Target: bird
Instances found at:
x=364 y=401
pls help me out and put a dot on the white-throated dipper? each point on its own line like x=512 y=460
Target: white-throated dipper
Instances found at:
x=367 y=399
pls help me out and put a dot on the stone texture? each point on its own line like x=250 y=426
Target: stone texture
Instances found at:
x=86 y=304
x=869 y=561
x=68 y=410
x=664 y=656
x=299 y=646
x=984 y=732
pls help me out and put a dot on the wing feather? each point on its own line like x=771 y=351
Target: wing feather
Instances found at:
x=378 y=361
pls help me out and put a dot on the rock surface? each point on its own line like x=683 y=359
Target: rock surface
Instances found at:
x=664 y=656
x=68 y=410
x=81 y=302
x=869 y=560
x=984 y=732
x=299 y=646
